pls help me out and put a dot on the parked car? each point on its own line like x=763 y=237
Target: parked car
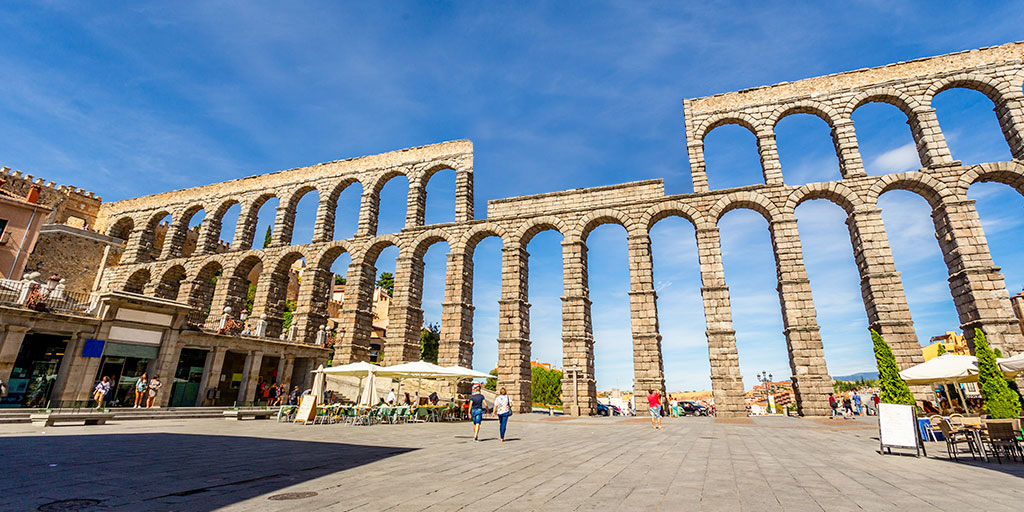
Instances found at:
x=607 y=410
x=687 y=408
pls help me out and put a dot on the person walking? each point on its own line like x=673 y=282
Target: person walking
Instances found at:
x=654 y=407
x=834 y=404
x=99 y=393
x=502 y=409
x=294 y=398
x=476 y=410
x=858 y=404
x=140 y=391
x=154 y=387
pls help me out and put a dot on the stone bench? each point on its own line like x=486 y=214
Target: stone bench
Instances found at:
x=255 y=414
x=46 y=419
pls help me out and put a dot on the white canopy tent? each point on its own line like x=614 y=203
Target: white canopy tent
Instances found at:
x=363 y=370
x=319 y=382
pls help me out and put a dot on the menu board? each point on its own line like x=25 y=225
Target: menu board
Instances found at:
x=307 y=409
x=897 y=426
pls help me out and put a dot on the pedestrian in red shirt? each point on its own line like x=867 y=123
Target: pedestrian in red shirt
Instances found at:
x=654 y=407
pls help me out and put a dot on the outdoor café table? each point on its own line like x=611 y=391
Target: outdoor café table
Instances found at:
x=975 y=431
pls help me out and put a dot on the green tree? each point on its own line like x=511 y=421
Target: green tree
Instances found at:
x=492 y=383
x=289 y=313
x=387 y=281
x=941 y=350
x=546 y=387
x=430 y=340
x=893 y=389
x=339 y=279
x=1000 y=401
x=267 y=237
x=250 y=297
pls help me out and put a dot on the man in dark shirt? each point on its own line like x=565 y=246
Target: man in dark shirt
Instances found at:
x=434 y=398
x=476 y=409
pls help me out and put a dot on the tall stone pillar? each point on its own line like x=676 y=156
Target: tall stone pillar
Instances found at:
x=577 y=333
x=250 y=374
x=1018 y=311
x=456 y=347
x=881 y=287
x=245 y=228
x=174 y=240
x=416 y=203
x=769 y=153
x=931 y=144
x=369 y=208
x=323 y=227
x=311 y=306
x=698 y=172
x=979 y=291
x=811 y=383
x=284 y=225
x=648 y=365
x=406 y=317
x=463 y=195
x=845 y=140
x=726 y=381
x=514 y=372
x=230 y=292
x=1011 y=120
x=209 y=235
x=271 y=290
x=356 y=314
x=285 y=371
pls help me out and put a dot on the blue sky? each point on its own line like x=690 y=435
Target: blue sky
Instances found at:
x=129 y=99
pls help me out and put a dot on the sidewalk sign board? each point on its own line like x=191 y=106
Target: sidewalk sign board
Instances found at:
x=897 y=428
x=307 y=410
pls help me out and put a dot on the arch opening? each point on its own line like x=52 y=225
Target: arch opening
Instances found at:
x=970 y=125
x=608 y=277
x=346 y=211
x=440 y=197
x=750 y=272
x=731 y=157
x=885 y=139
x=393 y=201
x=227 y=221
x=169 y=286
x=432 y=295
x=193 y=229
x=807 y=152
x=544 y=291
x=137 y=281
x=263 y=220
x=486 y=292
x=303 y=214
x=202 y=293
x=677 y=281
x=1001 y=210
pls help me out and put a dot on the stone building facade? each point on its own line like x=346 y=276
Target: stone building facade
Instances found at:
x=976 y=284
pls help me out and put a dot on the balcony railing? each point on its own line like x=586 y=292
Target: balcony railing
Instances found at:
x=41 y=297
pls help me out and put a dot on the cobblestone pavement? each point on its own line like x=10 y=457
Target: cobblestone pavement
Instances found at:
x=550 y=464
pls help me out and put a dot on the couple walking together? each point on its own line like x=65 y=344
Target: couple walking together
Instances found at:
x=478 y=406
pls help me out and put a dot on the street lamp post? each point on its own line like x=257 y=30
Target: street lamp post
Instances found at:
x=765 y=379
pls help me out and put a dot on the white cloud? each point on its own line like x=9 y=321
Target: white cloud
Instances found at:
x=903 y=158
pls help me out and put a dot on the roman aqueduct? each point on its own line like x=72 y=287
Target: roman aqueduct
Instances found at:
x=976 y=284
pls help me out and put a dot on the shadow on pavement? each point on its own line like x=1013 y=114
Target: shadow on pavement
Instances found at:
x=166 y=471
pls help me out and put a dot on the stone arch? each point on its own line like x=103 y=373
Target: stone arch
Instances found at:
x=329 y=198
x=145 y=245
x=379 y=182
x=469 y=240
x=919 y=183
x=137 y=281
x=211 y=237
x=176 y=244
x=1007 y=173
x=905 y=102
x=122 y=228
x=536 y=225
x=251 y=211
x=672 y=209
x=604 y=216
x=272 y=290
x=423 y=180
x=835 y=192
x=284 y=222
x=422 y=243
x=202 y=290
x=748 y=200
x=821 y=110
x=169 y=286
x=995 y=90
x=326 y=256
x=372 y=251
x=741 y=118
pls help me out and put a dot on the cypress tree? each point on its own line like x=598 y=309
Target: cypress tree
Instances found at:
x=893 y=389
x=1000 y=400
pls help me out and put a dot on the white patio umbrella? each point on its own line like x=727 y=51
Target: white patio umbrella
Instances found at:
x=361 y=369
x=467 y=373
x=318 y=385
x=1012 y=364
x=368 y=390
x=415 y=370
x=942 y=369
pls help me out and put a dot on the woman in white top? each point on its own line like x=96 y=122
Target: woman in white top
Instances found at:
x=502 y=409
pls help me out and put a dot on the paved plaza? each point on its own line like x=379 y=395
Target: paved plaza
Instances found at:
x=547 y=463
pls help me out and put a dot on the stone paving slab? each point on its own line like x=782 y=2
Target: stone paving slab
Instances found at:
x=578 y=464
